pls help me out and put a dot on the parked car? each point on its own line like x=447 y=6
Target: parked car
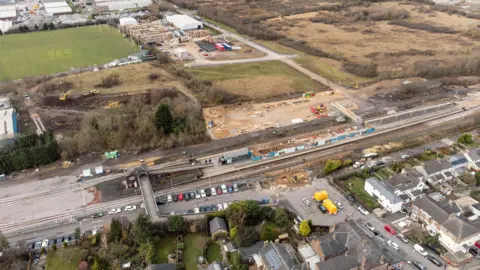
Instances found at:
x=175 y=197
x=161 y=200
x=219 y=191
x=197 y=194
x=202 y=193
x=306 y=202
x=392 y=244
x=193 y=195
x=264 y=201
x=224 y=189
x=130 y=208
x=196 y=210
x=187 y=197
x=219 y=207
x=474 y=251
x=180 y=197
x=98 y=215
x=405 y=156
x=370 y=226
x=225 y=206
x=235 y=187
x=402 y=237
x=417 y=265
x=390 y=230
x=114 y=211
x=208 y=192
x=169 y=198
x=477 y=243
x=322 y=208
x=142 y=205
x=214 y=192
x=350 y=198
x=230 y=189
x=420 y=250
x=338 y=204
x=363 y=210
x=95 y=231
x=434 y=260
x=45 y=243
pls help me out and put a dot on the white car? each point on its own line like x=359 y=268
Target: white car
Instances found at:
x=197 y=194
x=225 y=206
x=94 y=231
x=405 y=156
x=202 y=193
x=363 y=210
x=130 y=208
x=392 y=244
x=142 y=205
x=114 y=211
x=338 y=204
x=196 y=210
x=370 y=226
x=357 y=165
x=306 y=202
x=420 y=250
x=219 y=207
x=214 y=191
x=224 y=189
x=45 y=243
x=235 y=187
x=169 y=198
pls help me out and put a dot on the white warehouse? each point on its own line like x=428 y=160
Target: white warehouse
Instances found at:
x=184 y=22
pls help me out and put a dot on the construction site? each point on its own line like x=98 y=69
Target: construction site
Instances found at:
x=231 y=120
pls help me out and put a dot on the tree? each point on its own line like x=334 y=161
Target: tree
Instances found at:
x=332 y=165
x=236 y=213
x=304 y=228
x=147 y=251
x=142 y=229
x=164 y=119
x=36 y=27
x=347 y=162
x=268 y=234
x=253 y=211
x=175 y=223
x=249 y=236
x=115 y=231
x=51 y=26
x=465 y=138
x=45 y=26
x=281 y=217
x=77 y=232
x=267 y=213
x=233 y=232
x=3 y=242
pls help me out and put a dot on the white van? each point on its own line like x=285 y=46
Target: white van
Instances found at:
x=420 y=250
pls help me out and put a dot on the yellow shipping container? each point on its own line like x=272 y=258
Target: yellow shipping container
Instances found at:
x=320 y=195
x=331 y=207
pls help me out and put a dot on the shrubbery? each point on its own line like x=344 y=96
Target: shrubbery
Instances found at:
x=110 y=81
x=424 y=27
x=364 y=70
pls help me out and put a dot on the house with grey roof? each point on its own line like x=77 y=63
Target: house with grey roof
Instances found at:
x=215 y=266
x=278 y=256
x=434 y=171
x=218 y=227
x=384 y=194
x=473 y=157
x=409 y=183
x=444 y=217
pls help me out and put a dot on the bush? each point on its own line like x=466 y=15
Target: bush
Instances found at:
x=110 y=81
x=54 y=247
x=332 y=165
x=304 y=47
x=65 y=244
x=42 y=251
x=268 y=234
x=377 y=14
x=153 y=76
x=465 y=138
x=347 y=162
x=424 y=27
x=364 y=70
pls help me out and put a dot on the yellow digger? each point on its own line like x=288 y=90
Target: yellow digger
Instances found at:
x=112 y=104
x=65 y=96
x=91 y=93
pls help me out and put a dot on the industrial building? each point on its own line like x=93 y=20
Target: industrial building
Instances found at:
x=184 y=22
x=128 y=21
x=110 y=5
x=7 y=11
x=8 y=126
x=57 y=8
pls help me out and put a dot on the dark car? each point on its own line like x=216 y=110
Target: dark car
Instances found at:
x=474 y=251
x=418 y=265
x=175 y=197
x=208 y=192
x=434 y=260
x=350 y=198
x=98 y=215
x=186 y=196
x=322 y=208
x=161 y=200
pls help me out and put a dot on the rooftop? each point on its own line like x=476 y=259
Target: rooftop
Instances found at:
x=458 y=159
x=404 y=181
x=385 y=189
x=474 y=154
x=434 y=166
x=278 y=256
x=216 y=224
x=253 y=249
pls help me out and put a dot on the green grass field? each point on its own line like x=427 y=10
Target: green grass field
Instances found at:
x=45 y=52
x=65 y=259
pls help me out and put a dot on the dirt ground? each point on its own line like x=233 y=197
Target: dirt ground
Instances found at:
x=232 y=120
x=245 y=52
x=365 y=41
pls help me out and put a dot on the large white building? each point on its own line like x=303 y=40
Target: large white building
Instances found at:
x=8 y=12
x=384 y=194
x=184 y=22
x=57 y=8
x=120 y=4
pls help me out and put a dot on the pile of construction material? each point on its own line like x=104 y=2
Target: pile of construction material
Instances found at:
x=197 y=33
x=151 y=32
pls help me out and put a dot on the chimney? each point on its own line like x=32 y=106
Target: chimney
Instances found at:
x=382 y=260
x=363 y=263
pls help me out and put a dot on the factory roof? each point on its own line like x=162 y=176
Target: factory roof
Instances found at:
x=181 y=21
x=7 y=128
x=8 y=11
x=127 y=21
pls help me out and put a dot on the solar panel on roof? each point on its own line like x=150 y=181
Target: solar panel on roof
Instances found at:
x=273 y=259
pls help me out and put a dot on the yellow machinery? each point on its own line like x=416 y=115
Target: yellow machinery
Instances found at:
x=91 y=93
x=331 y=207
x=65 y=96
x=112 y=104
x=320 y=195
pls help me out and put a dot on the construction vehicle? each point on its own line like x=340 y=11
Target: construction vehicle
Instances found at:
x=318 y=109
x=319 y=196
x=65 y=96
x=91 y=93
x=331 y=207
x=112 y=104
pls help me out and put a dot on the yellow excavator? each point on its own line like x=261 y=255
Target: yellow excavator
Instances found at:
x=112 y=104
x=91 y=93
x=65 y=96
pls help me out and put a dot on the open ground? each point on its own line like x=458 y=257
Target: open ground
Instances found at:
x=47 y=52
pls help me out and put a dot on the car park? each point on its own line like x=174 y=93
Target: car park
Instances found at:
x=338 y=204
x=224 y=189
x=434 y=260
x=322 y=209
x=180 y=197
x=214 y=192
x=390 y=230
x=370 y=226
x=114 y=211
x=175 y=197
x=130 y=208
x=402 y=237
x=420 y=250
x=169 y=198
x=219 y=191
x=363 y=210
x=306 y=202
x=392 y=244
x=208 y=192
x=235 y=187
x=202 y=193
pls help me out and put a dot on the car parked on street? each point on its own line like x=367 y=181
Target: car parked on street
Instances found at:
x=230 y=189
x=338 y=204
x=196 y=210
x=169 y=198
x=197 y=194
x=350 y=198
x=420 y=250
x=417 y=265
x=434 y=260
x=202 y=193
x=219 y=207
x=363 y=210
x=180 y=197
x=370 y=226
x=474 y=251
x=114 y=211
x=175 y=197
x=130 y=208
x=219 y=191
x=402 y=237
x=224 y=189
x=390 y=230
x=98 y=215
x=235 y=187
x=45 y=243
x=208 y=192
x=193 y=195
x=322 y=208
x=225 y=206
x=214 y=192
x=392 y=244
